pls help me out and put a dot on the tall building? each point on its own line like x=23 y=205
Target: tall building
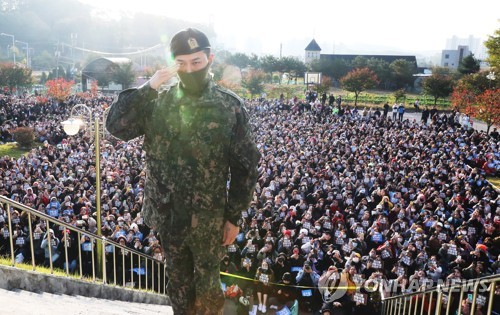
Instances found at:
x=475 y=44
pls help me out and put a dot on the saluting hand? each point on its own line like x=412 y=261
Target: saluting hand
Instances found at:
x=163 y=75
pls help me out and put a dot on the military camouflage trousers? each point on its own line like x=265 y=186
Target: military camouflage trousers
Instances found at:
x=193 y=259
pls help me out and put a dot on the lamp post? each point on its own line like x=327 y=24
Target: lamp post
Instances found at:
x=27 y=52
x=13 y=45
x=80 y=115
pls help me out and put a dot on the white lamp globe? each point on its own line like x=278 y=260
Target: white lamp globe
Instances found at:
x=72 y=126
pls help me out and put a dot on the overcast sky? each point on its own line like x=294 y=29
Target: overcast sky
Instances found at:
x=261 y=25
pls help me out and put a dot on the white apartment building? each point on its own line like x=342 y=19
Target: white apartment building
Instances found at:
x=451 y=58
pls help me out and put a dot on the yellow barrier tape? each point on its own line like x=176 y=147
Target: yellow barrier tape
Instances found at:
x=287 y=285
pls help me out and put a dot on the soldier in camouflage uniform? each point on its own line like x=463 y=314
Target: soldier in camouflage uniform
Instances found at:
x=197 y=136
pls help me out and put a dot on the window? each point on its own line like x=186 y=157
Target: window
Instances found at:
x=446 y=64
x=446 y=56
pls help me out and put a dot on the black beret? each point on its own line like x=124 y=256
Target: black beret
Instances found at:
x=188 y=41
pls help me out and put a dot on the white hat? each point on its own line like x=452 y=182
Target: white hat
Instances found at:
x=305 y=231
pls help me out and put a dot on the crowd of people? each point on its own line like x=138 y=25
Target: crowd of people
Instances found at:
x=355 y=195
x=58 y=178
x=343 y=194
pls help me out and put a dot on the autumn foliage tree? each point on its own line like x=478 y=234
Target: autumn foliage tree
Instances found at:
x=486 y=108
x=59 y=88
x=359 y=80
x=462 y=97
x=324 y=85
x=478 y=98
x=12 y=75
x=253 y=81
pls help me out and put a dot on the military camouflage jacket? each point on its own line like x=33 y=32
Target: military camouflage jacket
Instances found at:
x=191 y=144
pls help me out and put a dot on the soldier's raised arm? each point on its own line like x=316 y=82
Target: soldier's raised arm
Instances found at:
x=130 y=112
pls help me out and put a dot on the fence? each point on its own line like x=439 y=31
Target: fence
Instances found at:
x=446 y=299
x=115 y=265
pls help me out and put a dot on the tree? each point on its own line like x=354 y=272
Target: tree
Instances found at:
x=59 y=88
x=13 y=76
x=469 y=65
x=124 y=74
x=399 y=94
x=57 y=72
x=493 y=46
x=324 y=86
x=24 y=136
x=462 y=97
x=293 y=66
x=359 y=80
x=43 y=60
x=253 y=81
x=402 y=72
x=254 y=61
x=335 y=69
x=103 y=78
x=360 y=62
x=438 y=86
x=476 y=82
x=486 y=108
x=269 y=64
x=239 y=60
x=381 y=69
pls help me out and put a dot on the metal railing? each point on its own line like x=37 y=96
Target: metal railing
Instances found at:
x=453 y=299
x=122 y=266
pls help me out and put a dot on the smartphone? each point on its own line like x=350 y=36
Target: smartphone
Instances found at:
x=469 y=297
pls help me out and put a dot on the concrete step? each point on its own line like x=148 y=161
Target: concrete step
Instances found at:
x=19 y=302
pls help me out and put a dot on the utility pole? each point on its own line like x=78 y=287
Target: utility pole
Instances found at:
x=57 y=54
x=73 y=44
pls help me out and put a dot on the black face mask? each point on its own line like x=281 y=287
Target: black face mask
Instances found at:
x=193 y=83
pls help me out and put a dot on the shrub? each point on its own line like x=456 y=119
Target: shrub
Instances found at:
x=24 y=136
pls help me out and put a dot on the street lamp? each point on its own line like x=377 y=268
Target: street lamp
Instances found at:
x=27 y=52
x=491 y=77
x=13 y=45
x=80 y=115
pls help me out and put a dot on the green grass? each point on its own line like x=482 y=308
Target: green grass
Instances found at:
x=11 y=149
x=7 y=261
